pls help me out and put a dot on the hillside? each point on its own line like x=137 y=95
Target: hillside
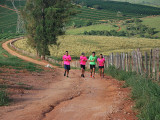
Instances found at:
x=8 y=20
x=88 y=13
x=144 y=2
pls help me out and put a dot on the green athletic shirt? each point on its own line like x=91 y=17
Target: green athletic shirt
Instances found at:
x=93 y=58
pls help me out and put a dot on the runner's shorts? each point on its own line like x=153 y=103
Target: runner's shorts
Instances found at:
x=101 y=66
x=83 y=66
x=92 y=66
x=67 y=67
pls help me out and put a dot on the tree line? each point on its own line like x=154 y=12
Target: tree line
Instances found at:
x=123 y=7
x=134 y=28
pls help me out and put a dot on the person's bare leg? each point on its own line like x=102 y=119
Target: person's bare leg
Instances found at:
x=100 y=71
x=67 y=73
x=103 y=72
x=81 y=71
x=91 y=72
x=94 y=72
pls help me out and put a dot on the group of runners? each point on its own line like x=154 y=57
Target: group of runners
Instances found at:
x=83 y=59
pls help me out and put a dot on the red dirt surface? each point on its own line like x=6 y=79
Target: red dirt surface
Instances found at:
x=55 y=97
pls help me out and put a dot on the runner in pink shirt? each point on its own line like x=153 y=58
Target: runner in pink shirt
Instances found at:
x=66 y=59
x=100 y=62
x=83 y=60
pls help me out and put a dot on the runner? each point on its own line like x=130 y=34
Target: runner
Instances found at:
x=66 y=59
x=83 y=60
x=92 y=60
x=100 y=62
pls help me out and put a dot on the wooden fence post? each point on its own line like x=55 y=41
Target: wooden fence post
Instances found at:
x=150 y=64
x=142 y=63
x=117 y=61
x=139 y=61
x=120 y=61
x=124 y=65
x=146 y=64
x=154 y=64
x=157 y=57
x=111 y=58
x=127 y=62
x=132 y=61
x=136 y=62
x=107 y=61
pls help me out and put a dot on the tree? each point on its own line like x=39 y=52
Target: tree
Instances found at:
x=44 y=21
x=3 y=2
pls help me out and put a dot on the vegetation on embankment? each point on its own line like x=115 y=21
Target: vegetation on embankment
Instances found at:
x=9 y=61
x=145 y=93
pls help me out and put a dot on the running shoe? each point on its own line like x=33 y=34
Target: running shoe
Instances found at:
x=83 y=75
x=64 y=74
x=93 y=77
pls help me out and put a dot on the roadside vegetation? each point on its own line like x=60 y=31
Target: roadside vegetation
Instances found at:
x=12 y=62
x=145 y=93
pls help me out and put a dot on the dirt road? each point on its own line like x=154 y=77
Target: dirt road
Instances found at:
x=72 y=98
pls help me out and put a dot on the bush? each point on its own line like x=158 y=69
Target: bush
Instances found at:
x=4 y=99
x=144 y=91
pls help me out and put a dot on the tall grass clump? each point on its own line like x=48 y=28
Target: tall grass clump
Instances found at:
x=4 y=99
x=145 y=93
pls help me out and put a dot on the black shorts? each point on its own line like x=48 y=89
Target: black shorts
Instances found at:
x=67 y=67
x=83 y=66
x=92 y=66
x=101 y=66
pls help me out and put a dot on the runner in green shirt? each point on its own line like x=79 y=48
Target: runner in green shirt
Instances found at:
x=93 y=59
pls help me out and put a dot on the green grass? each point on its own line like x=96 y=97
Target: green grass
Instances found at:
x=153 y=22
x=9 y=61
x=145 y=93
x=8 y=21
x=144 y=2
x=8 y=18
x=80 y=31
x=4 y=99
x=12 y=61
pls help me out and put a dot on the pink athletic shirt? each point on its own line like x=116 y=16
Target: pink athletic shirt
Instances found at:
x=83 y=60
x=66 y=59
x=101 y=61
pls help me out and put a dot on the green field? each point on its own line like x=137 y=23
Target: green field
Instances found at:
x=86 y=15
x=147 y=2
x=76 y=44
x=79 y=31
x=153 y=22
x=8 y=20
x=9 y=61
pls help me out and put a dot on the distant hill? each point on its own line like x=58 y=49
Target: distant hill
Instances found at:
x=144 y=2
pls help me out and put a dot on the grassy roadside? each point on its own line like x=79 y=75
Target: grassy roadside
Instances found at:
x=144 y=91
x=9 y=61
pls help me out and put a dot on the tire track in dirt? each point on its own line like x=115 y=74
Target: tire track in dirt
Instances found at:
x=73 y=98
